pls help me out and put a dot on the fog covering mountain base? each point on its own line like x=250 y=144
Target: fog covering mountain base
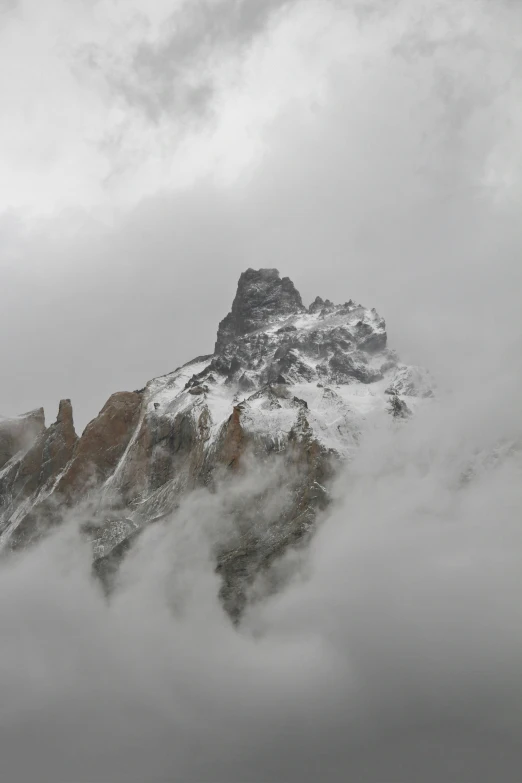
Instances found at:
x=387 y=649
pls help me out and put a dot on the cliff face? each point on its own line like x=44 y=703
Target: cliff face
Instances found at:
x=17 y=435
x=30 y=475
x=285 y=384
x=262 y=297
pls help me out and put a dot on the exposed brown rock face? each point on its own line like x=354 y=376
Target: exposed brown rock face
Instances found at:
x=233 y=441
x=60 y=468
x=163 y=460
x=102 y=445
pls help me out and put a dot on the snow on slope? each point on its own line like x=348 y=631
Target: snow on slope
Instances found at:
x=330 y=362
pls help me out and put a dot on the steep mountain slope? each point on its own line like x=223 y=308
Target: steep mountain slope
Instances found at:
x=286 y=385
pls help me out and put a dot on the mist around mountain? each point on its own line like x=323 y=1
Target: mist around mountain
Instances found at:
x=318 y=578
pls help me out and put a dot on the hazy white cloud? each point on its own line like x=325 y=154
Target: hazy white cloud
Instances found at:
x=394 y=652
x=110 y=102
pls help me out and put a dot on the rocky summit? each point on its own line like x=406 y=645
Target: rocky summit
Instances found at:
x=287 y=386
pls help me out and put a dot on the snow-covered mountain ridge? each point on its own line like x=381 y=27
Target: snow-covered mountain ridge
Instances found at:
x=330 y=360
x=285 y=382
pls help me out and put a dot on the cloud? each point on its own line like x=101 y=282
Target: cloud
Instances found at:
x=176 y=71
x=394 y=652
x=8 y=5
x=368 y=151
x=374 y=155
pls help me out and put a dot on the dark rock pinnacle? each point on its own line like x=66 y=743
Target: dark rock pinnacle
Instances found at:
x=261 y=297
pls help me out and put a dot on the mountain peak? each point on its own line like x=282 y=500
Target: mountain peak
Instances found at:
x=261 y=296
x=285 y=381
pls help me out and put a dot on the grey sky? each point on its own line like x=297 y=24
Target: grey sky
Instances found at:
x=174 y=73
x=392 y=178
x=150 y=153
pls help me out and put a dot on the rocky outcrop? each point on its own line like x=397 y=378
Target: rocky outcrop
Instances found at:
x=59 y=444
x=262 y=296
x=281 y=402
x=28 y=479
x=101 y=446
x=411 y=381
x=233 y=441
x=19 y=433
x=398 y=408
x=269 y=337
x=60 y=469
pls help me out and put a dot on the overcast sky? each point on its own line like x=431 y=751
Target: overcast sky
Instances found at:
x=152 y=150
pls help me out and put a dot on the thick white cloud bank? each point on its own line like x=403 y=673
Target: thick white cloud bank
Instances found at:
x=394 y=652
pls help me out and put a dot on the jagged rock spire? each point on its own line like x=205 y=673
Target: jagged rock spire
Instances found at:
x=261 y=296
